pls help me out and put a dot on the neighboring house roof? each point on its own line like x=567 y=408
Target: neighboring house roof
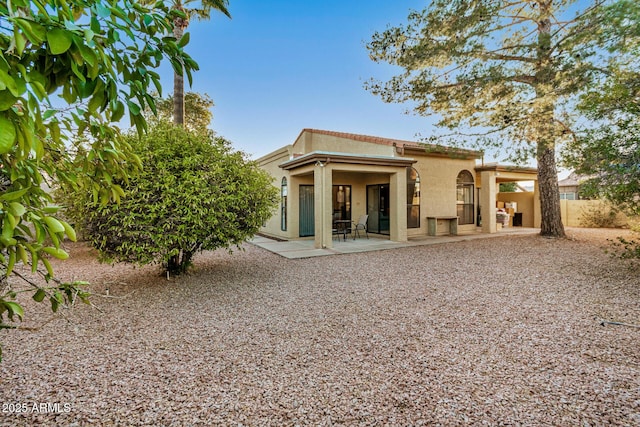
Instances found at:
x=402 y=146
x=573 y=180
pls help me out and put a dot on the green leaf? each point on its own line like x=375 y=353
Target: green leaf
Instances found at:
x=48 y=114
x=56 y=252
x=88 y=54
x=54 y=225
x=88 y=35
x=35 y=32
x=134 y=108
x=59 y=41
x=20 y=41
x=14 y=309
x=54 y=304
x=48 y=266
x=17 y=209
x=96 y=102
x=184 y=40
x=69 y=231
x=7 y=100
x=71 y=26
x=14 y=195
x=22 y=253
x=8 y=82
x=117 y=111
x=102 y=10
x=39 y=295
x=7 y=135
x=12 y=260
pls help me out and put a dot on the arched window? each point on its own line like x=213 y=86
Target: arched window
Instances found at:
x=465 y=190
x=413 y=198
x=283 y=204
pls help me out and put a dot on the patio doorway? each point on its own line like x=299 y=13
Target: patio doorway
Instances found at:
x=378 y=208
x=341 y=195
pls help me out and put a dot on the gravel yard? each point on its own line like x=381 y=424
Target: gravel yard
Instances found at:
x=501 y=331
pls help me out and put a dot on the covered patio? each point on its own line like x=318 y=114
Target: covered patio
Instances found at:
x=489 y=177
x=317 y=175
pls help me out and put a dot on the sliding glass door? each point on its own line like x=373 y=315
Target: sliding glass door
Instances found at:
x=378 y=208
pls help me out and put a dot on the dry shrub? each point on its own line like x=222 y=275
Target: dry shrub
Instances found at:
x=598 y=216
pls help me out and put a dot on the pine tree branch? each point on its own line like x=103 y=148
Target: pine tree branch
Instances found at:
x=502 y=57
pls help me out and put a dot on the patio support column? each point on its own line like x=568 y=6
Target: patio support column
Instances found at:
x=398 y=206
x=537 y=213
x=323 y=205
x=488 y=197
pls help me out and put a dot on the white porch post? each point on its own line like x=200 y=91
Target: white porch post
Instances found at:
x=488 y=197
x=323 y=205
x=398 y=206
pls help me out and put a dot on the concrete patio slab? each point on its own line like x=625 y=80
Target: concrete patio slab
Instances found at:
x=304 y=248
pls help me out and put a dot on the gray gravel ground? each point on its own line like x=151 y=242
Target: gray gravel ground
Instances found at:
x=488 y=332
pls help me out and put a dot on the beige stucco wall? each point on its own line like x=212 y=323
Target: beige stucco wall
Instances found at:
x=572 y=212
x=270 y=163
x=308 y=142
x=525 y=201
x=438 y=184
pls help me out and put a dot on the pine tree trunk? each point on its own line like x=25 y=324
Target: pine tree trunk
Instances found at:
x=546 y=129
x=551 y=224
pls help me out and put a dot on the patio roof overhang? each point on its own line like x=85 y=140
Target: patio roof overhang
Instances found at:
x=326 y=157
x=507 y=173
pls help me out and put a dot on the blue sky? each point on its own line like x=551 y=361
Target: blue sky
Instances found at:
x=280 y=66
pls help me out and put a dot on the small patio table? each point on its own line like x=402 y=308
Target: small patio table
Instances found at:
x=342 y=226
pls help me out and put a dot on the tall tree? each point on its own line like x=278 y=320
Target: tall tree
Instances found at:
x=188 y=9
x=508 y=68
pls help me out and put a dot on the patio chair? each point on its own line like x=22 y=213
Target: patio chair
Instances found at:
x=360 y=225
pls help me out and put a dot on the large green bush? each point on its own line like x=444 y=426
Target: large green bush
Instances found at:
x=195 y=193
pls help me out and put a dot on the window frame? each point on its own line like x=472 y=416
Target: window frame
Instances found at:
x=284 y=195
x=465 y=197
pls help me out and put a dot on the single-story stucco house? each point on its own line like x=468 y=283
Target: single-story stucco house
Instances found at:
x=407 y=189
